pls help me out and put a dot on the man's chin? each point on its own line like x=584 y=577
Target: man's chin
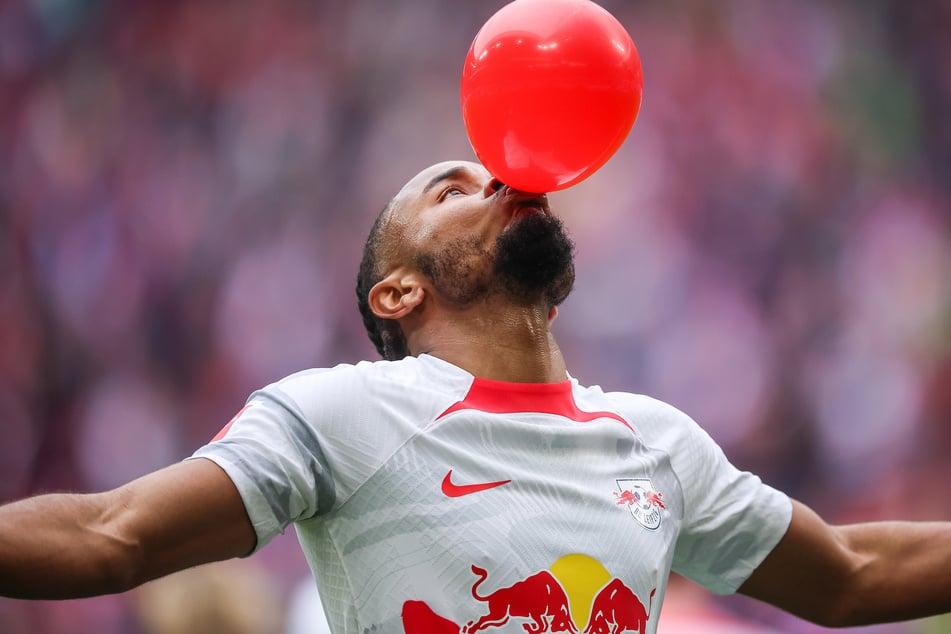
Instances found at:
x=535 y=260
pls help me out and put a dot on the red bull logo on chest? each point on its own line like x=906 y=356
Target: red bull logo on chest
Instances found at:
x=577 y=594
x=539 y=599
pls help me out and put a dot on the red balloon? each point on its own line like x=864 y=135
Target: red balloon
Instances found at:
x=550 y=90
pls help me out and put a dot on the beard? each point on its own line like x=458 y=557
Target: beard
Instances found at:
x=531 y=262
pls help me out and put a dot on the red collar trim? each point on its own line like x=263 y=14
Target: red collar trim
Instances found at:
x=502 y=397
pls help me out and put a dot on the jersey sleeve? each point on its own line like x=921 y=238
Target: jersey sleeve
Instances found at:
x=732 y=519
x=274 y=457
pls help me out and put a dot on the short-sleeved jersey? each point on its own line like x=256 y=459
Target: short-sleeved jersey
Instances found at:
x=427 y=500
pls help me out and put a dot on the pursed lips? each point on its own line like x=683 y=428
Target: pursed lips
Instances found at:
x=529 y=205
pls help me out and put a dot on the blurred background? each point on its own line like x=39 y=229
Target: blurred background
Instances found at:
x=185 y=188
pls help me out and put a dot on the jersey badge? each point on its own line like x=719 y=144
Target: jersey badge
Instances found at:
x=639 y=496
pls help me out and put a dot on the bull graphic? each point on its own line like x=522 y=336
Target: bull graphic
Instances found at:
x=617 y=609
x=538 y=598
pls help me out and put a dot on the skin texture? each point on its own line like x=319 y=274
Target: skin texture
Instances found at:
x=61 y=546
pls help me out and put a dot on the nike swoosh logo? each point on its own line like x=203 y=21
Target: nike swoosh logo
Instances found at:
x=458 y=490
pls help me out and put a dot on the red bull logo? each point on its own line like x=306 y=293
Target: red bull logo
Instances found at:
x=617 y=609
x=419 y=618
x=539 y=600
x=577 y=594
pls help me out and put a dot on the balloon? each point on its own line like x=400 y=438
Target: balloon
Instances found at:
x=550 y=90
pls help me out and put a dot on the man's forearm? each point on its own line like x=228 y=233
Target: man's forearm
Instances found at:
x=57 y=546
x=67 y=546
x=905 y=571
x=842 y=576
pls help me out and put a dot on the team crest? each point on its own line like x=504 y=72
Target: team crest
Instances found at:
x=644 y=502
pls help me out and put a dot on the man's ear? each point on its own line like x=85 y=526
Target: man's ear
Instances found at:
x=397 y=294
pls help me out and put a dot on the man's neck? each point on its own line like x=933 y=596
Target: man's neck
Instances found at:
x=510 y=344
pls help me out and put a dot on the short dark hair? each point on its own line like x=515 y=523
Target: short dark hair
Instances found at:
x=385 y=334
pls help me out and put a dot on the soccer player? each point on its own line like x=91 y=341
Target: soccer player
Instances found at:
x=467 y=483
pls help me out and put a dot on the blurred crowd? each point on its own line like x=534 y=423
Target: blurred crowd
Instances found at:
x=185 y=188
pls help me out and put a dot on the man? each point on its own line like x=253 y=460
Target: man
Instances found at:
x=468 y=483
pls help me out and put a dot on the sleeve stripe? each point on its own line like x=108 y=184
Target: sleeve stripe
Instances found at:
x=224 y=430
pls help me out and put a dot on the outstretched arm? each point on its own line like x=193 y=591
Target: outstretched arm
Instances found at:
x=72 y=545
x=856 y=574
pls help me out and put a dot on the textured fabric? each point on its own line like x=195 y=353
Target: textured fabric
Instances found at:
x=566 y=507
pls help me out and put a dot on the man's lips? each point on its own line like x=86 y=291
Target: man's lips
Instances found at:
x=534 y=205
x=527 y=208
x=518 y=204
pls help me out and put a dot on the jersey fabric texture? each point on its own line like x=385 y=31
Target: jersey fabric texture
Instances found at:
x=565 y=509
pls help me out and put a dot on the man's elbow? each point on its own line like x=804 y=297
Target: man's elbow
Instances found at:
x=832 y=615
x=120 y=566
x=842 y=606
x=118 y=558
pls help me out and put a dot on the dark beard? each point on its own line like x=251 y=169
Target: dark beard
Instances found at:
x=533 y=261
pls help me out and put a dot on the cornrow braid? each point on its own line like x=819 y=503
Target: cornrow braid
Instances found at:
x=386 y=334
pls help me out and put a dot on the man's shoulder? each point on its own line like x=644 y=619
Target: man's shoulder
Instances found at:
x=627 y=401
x=362 y=383
x=654 y=418
x=409 y=370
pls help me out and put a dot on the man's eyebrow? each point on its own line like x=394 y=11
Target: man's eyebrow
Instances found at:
x=452 y=172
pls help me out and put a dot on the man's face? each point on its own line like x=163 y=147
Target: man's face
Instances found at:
x=476 y=238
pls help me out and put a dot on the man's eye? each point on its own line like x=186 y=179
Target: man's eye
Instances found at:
x=452 y=190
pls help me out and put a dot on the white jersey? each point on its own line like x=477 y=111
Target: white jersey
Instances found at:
x=428 y=501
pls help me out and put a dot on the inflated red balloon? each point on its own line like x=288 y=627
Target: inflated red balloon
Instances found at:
x=550 y=90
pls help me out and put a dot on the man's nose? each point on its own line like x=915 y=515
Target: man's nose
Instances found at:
x=492 y=186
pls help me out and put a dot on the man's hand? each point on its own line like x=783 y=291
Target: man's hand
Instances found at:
x=69 y=545
x=857 y=574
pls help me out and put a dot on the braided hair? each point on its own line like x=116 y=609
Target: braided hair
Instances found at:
x=386 y=334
